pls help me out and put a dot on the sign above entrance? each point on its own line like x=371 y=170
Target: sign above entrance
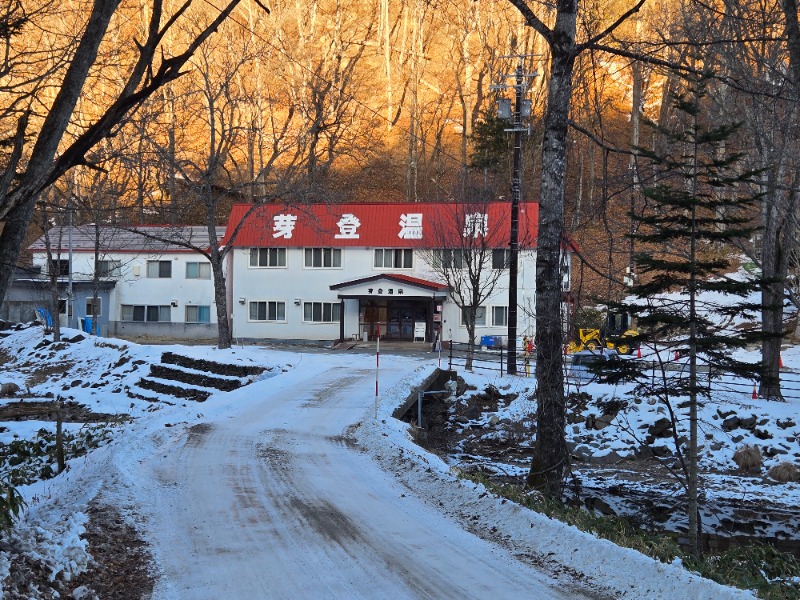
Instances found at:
x=389 y=291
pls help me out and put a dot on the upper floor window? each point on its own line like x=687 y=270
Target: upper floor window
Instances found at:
x=198 y=270
x=59 y=267
x=501 y=259
x=159 y=268
x=393 y=258
x=450 y=259
x=109 y=268
x=323 y=258
x=267 y=257
x=198 y=314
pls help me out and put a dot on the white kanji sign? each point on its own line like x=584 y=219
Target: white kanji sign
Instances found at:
x=475 y=224
x=283 y=225
x=410 y=226
x=348 y=227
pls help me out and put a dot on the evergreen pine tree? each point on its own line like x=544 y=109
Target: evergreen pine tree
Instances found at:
x=699 y=205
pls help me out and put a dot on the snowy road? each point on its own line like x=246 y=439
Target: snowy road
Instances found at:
x=273 y=501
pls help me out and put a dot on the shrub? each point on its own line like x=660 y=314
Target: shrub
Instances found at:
x=784 y=472
x=748 y=458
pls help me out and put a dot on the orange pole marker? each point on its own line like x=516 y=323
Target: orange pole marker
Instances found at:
x=755 y=392
x=639 y=352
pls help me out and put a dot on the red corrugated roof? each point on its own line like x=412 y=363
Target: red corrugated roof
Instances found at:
x=399 y=278
x=374 y=225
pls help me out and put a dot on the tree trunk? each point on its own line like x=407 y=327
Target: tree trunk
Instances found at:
x=550 y=457
x=223 y=324
x=11 y=239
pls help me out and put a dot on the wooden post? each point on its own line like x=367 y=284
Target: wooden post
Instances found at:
x=59 y=439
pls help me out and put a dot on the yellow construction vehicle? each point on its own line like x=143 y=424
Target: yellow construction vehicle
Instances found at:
x=616 y=335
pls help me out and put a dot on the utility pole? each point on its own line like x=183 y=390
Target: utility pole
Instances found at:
x=522 y=110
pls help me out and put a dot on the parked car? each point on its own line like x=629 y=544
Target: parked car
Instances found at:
x=587 y=365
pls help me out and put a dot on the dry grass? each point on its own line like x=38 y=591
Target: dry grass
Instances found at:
x=748 y=458
x=784 y=473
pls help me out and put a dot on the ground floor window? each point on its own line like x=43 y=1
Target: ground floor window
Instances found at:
x=500 y=316
x=268 y=311
x=480 y=316
x=198 y=314
x=146 y=313
x=321 y=312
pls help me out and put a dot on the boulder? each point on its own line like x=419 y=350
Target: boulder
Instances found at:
x=730 y=423
x=603 y=421
x=748 y=422
x=661 y=428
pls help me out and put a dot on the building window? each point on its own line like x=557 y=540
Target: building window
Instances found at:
x=501 y=259
x=59 y=267
x=268 y=311
x=108 y=268
x=159 y=269
x=321 y=312
x=480 y=316
x=198 y=314
x=393 y=258
x=198 y=270
x=267 y=257
x=323 y=258
x=500 y=316
x=149 y=314
x=449 y=259
x=90 y=306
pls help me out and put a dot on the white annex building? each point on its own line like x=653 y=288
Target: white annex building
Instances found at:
x=352 y=271
x=146 y=287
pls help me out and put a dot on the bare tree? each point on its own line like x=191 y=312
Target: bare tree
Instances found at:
x=28 y=171
x=466 y=257
x=550 y=459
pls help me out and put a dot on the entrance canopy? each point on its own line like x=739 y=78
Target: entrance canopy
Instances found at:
x=390 y=286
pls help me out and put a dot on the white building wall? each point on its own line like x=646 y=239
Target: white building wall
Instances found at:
x=295 y=284
x=134 y=287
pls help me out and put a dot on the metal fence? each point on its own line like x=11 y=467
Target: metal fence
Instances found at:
x=497 y=360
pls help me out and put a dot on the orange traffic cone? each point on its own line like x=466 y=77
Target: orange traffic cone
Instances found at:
x=677 y=355
x=780 y=361
x=639 y=352
x=755 y=392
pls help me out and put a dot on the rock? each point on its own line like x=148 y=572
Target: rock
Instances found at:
x=730 y=423
x=590 y=420
x=605 y=459
x=661 y=428
x=599 y=505
x=725 y=414
x=774 y=451
x=785 y=424
x=661 y=451
x=737 y=438
x=748 y=422
x=717 y=446
x=582 y=453
x=603 y=421
x=762 y=434
x=494 y=419
x=461 y=419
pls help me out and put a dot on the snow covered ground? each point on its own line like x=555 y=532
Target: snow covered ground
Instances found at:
x=290 y=487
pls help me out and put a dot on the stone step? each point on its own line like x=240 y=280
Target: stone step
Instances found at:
x=177 y=391
x=210 y=366
x=196 y=378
